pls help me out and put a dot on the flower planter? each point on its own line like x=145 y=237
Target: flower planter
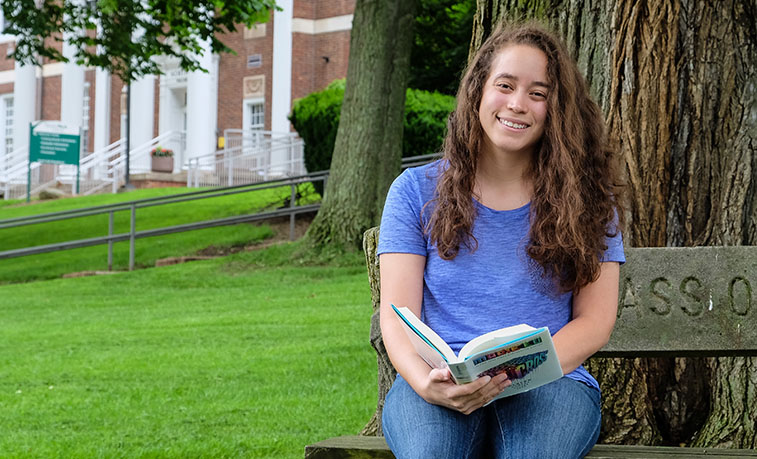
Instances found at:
x=162 y=164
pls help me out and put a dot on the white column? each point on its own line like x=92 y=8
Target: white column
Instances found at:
x=141 y=111
x=281 y=89
x=102 y=109
x=24 y=103
x=72 y=89
x=201 y=100
x=102 y=104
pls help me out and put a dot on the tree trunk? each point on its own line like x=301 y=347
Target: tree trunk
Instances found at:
x=677 y=81
x=368 y=148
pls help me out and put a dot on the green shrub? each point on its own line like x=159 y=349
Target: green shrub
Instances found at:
x=316 y=119
x=426 y=116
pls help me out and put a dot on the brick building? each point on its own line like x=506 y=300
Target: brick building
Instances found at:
x=300 y=49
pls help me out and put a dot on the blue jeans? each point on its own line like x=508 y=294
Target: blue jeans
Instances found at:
x=557 y=420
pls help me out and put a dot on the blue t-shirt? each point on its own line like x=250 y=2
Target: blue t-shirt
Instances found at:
x=497 y=285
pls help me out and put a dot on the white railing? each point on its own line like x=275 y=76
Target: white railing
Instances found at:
x=13 y=159
x=94 y=170
x=14 y=184
x=248 y=157
x=140 y=155
x=97 y=171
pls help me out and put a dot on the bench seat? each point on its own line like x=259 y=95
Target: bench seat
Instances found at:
x=365 y=447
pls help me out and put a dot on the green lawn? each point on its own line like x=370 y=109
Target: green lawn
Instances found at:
x=252 y=355
x=52 y=265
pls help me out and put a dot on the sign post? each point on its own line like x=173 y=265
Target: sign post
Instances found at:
x=55 y=143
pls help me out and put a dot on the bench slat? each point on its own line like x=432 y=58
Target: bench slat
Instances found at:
x=364 y=447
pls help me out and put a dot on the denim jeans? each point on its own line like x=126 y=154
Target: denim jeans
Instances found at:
x=557 y=420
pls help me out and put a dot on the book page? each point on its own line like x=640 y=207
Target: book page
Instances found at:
x=494 y=339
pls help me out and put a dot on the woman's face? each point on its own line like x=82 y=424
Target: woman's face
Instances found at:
x=513 y=105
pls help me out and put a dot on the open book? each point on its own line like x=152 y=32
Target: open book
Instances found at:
x=525 y=353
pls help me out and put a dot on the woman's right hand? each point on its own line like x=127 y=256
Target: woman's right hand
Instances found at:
x=440 y=389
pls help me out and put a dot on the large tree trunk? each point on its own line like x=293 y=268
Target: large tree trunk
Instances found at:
x=677 y=81
x=368 y=148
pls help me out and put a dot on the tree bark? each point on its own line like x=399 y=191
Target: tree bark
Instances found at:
x=386 y=372
x=368 y=148
x=677 y=81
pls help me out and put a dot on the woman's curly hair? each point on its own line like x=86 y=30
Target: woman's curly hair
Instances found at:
x=576 y=187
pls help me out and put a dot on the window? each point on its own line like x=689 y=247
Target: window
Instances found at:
x=254 y=115
x=7 y=123
x=85 y=120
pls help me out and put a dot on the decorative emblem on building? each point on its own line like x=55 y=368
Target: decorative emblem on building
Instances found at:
x=253 y=86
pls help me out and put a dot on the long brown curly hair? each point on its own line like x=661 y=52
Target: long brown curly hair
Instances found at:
x=576 y=188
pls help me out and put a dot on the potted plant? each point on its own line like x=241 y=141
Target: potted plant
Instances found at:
x=162 y=159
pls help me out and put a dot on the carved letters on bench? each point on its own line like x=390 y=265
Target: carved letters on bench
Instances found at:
x=687 y=301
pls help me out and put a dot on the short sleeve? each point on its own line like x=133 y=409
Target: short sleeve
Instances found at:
x=614 y=243
x=401 y=228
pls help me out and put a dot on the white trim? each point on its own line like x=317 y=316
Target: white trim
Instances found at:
x=50 y=70
x=319 y=26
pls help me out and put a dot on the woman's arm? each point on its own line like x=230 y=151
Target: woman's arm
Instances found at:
x=402 y=285
x=595 y=308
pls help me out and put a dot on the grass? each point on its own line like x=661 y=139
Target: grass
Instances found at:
x=252 y=355
x=52 y=265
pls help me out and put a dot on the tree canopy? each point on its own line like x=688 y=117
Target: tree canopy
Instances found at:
x=131 y=32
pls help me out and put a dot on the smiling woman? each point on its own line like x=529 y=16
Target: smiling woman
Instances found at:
x=516 y=225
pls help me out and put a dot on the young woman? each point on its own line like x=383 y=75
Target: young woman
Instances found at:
x=518 y=223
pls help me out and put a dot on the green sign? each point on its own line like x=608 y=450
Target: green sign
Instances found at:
x=54 y=142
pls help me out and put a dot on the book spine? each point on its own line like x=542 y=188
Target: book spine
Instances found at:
x=462 y=372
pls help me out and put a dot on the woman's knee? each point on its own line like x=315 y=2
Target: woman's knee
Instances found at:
x=559 y=420
x=416 y=429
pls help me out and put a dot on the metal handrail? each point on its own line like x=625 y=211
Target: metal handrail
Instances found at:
x=159 y=200
x=80 y=243
x=133 y=234
x=291 y=211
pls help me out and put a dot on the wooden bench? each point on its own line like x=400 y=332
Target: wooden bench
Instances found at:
x=697 y=301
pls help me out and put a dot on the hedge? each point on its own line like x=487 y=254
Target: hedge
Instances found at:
x=316 y=119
